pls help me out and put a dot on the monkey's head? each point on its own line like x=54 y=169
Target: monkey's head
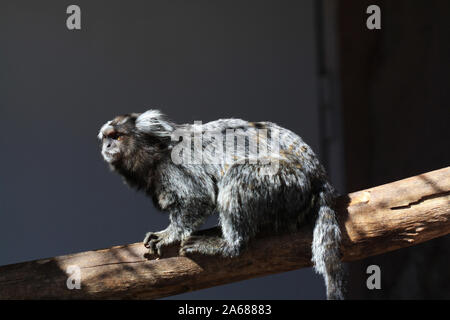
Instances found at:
x=135 y=140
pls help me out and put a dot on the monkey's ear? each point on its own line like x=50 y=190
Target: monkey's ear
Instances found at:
x=155 y=123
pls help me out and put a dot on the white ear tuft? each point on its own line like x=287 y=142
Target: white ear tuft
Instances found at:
x=154 y=122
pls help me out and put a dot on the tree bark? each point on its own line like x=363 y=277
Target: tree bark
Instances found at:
x=373 y=221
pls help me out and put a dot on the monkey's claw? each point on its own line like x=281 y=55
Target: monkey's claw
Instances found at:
x=153 y=242
x=156 y=241
x=149 y=236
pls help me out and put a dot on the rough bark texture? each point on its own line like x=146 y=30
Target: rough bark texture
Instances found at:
x=374 y=221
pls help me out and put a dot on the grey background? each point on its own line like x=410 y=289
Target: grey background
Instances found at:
x=195 y=60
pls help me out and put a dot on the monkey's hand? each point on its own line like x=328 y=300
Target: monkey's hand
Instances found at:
x=156 y=241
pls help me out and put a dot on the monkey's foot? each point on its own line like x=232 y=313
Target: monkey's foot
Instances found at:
x=156 y=241
x=202 y=245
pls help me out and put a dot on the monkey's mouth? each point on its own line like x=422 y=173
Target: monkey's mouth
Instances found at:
x=110 y=156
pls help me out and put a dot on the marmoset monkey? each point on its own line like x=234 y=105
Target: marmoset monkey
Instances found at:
x=270 y=185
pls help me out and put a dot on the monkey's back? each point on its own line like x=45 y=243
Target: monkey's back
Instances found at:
x=273 y=144
x=264 y=191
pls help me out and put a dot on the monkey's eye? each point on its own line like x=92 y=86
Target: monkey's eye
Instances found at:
x=115 y=136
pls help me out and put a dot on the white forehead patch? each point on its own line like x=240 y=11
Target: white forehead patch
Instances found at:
x=103 y=128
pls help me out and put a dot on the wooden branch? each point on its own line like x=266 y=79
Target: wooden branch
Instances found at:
x=373 y=221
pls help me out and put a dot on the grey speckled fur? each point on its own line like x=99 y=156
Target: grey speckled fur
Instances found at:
x=249 y=203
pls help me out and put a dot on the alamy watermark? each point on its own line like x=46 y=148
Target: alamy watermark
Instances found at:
x=374 y=280
x=73 y=22
x=234 y=146
x=373 y=22
x=74 y=279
